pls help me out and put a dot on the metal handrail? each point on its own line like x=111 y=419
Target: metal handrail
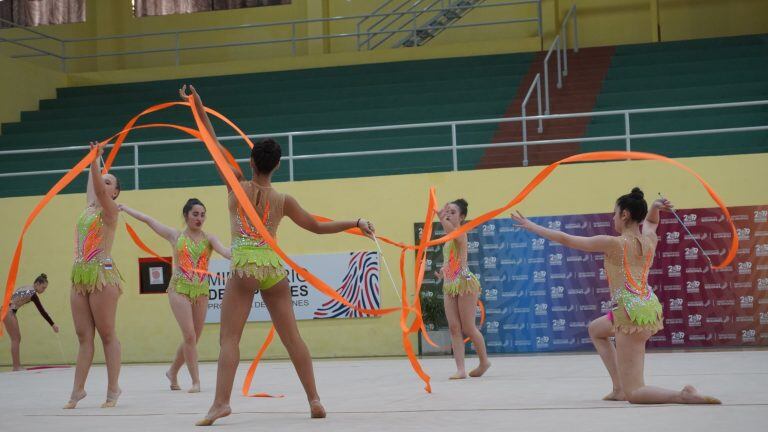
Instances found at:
x=292 y=40
x=537 y=85
x=556 y=44
x=30 y=30
x=430 y=149
x=454 y=147
x=419 y=125
x=247 y=26
x=41 y=52
x=26 y=38
x=571 y=14
x=560 y=43
x=413 y=19
x=375 y=11
x=443 y=12
x=367 y=41
x=275 y=41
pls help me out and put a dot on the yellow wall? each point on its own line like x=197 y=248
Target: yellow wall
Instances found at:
x=616 y=22
x=602 y=22
x=22 y=85
x=690 y=19
x=610 y=22
x=149 y=333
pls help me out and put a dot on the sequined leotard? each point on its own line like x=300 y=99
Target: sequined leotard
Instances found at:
x=251 y=256
x=93 y=268
x=190 y=270
x=458 y=280
x=636 y=307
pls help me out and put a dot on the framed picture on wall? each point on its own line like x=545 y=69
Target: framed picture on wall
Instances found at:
x=154 y=275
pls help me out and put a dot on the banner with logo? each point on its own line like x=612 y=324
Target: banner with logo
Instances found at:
x=541 y=296
x=355 y=273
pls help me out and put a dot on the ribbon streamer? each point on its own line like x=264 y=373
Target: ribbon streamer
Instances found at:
x=228 y=167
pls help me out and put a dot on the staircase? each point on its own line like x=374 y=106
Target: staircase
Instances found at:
x=586 y=72
x=421 y=20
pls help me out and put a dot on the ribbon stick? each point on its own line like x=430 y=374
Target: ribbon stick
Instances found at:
x=685 y=227
x=386 y=266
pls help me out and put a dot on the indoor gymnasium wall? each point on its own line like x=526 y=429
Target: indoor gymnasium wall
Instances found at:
x=149 y=333
x=22 y=85
x=602 y=22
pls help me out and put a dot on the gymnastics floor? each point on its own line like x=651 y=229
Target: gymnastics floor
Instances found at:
x=519 y=393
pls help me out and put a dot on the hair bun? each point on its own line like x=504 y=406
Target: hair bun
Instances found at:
x=43 y=275
x=637 y=193
x=463 y=206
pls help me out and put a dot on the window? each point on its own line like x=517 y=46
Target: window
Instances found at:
x=170 y=7
x=32 y=13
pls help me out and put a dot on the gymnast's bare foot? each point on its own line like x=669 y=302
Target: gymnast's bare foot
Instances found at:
x=480 y=370
x=316 y=409
x=194 y=389
x=615 y=395
x=74 y=399
x=458 y=375
x=216 y=412
x=689 y=395
x=112 y=396
x=174 y=380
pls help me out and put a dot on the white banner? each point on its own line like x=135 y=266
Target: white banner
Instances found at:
x=355 y=275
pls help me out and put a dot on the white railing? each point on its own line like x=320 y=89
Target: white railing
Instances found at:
x=560 y=45
x=557 y=46
x=537 y=85
x=627 y=137
x=63 y=45
x=564 y=31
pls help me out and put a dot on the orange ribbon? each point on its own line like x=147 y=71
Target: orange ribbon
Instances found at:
x=256 y=222
x=598 y=157
x=142 y=245
x=121 y=136
x=65 y=180
x=255 y=364
x=226 y=164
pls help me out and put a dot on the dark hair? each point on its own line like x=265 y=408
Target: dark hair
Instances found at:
x=43 y=278
x=634 y=203
x=191 y=203
x=265 y=155
x=463 y=206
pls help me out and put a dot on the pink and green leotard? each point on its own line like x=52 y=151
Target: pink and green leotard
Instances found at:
x=457 y=279
x=190 y=274
x=93 y=268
